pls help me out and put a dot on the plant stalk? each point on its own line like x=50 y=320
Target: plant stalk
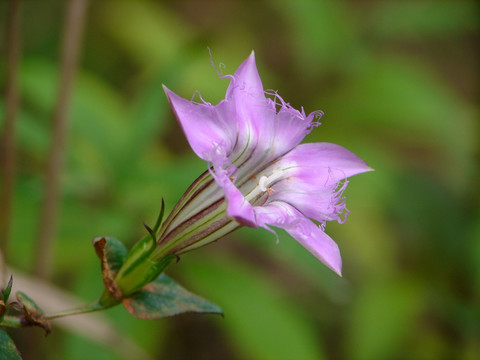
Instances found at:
x=75 y=19
x=7 y=142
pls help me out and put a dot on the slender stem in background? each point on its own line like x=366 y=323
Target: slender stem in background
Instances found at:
x=16 y=321
x=7 y=142
x=74 y=23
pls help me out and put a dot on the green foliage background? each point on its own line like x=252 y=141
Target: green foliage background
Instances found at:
x=398 y=83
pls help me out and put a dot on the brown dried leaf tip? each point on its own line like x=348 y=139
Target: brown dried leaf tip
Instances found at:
x=108 y=274
x=33 y=314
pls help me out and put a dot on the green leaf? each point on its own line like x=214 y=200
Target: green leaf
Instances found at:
x=165 y=297
x=8 y=350
x=7 y=290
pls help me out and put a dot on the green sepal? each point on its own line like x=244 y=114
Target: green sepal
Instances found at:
x=159 y=218
x=139 y=253
x=165 y=297
x=156 y=268
x=8 y=350
x=144 y=272
x=142 y=249
x=135 y=268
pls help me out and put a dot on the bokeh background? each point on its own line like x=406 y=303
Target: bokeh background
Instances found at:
x=398 y=82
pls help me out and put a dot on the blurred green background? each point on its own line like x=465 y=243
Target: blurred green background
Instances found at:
x=398 y=81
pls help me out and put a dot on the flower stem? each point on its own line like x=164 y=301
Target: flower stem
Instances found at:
x=74 y=23
x=13 y=321
x=96 y=306
x=103 y=303
x=8 y=136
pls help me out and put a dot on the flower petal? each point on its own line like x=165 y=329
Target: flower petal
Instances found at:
x=322 y=206
x=312 y=175
x=323 y=164
x=246 y=80
x=267 y=128
x=206 y=127
x=237 y=206
x=245 y=93
x=307 y=233
x=291 y=127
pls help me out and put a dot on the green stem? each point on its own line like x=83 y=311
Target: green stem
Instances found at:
x=80 y=310
x=103 y=303
x=11 y=321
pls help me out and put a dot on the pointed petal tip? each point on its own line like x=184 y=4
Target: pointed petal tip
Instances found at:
x=335 y=266
x=174 y=99
x=251 y=59
x=365 y=169
x=338 y=272
x=246 y=82
x=167 y=91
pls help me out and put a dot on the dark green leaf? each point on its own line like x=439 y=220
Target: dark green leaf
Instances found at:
x=8 y=350
x=165 y=297
x=7 y=290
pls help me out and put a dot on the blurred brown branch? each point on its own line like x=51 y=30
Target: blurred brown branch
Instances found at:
x=8 y=144
x=74 y=24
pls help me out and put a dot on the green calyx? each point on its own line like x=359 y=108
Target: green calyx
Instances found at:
x=137 y=274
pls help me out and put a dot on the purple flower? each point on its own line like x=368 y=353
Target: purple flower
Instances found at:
x=257 y=164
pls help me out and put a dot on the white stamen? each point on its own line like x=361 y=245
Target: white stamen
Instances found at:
x=262 y=183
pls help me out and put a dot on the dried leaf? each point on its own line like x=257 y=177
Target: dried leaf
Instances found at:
x=112 y=254
x=33 y=314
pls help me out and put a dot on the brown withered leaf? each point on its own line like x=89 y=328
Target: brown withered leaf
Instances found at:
x=33 y=314
x=111 y=253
